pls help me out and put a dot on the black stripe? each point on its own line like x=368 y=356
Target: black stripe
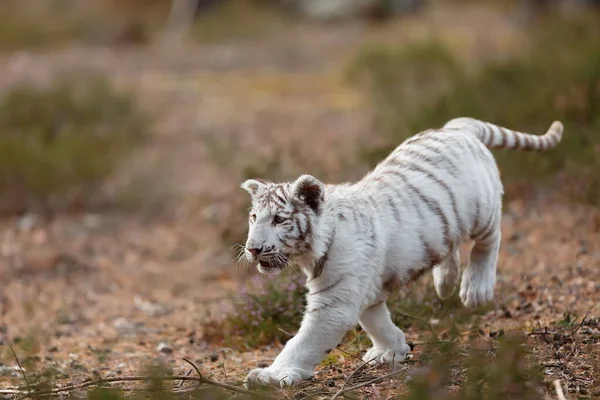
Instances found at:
x=431 y=257
x=308 y=232
x=372 y=233
x=392 y=187
x=322 y=307
x=505 y=135
x=280 y=199
x=444 y=142
x=393 y=161
x=302 y=232
x=372 y=202
x=441 y=159
x=353 y=214
x=334 y=284
x=320 y=264
x=400 y=195
x=394 y=209
x=529 y=143
x=477 y=151
x=492 y=133
x=486 y=228
x=451 y=195
x=476 y=220
x=444 y=155
x=285 y=241
x=432 y=204
x=491 y=228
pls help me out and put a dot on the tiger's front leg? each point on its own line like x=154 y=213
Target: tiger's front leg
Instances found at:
x=324 y=324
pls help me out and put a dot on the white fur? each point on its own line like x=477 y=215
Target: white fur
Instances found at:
x=375 y=234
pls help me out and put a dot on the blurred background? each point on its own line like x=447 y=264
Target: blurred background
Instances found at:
x=126 y=127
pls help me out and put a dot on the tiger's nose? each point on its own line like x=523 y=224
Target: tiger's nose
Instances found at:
x=256 y=250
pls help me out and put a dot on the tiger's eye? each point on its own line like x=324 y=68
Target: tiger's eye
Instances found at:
x=278 y=219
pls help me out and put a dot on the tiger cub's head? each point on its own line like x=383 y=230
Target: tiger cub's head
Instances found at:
x=281 y=220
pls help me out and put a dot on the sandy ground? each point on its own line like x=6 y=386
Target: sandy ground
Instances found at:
x=95 y=294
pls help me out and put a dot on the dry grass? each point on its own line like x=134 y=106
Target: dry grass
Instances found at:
x=90 y=296
x=59 y=144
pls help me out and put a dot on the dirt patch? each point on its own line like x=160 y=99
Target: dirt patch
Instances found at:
x=95 y=295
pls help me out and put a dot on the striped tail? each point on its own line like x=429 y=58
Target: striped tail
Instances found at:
x=494 y=136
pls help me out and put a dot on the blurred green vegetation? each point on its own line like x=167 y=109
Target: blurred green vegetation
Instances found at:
x=491 y=370
x=266 y=311
x=555 y=76
x=246 y=19
x=59 y=142
x=57 y=23
x=26 y=25
x=27 y=32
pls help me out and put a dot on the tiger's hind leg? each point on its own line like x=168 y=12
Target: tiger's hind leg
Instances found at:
x=446 y=275
x=479 y=278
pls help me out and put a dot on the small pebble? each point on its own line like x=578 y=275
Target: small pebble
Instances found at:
x=164 y=348
x=214 y=357
x=27 y=222
x=299 y=395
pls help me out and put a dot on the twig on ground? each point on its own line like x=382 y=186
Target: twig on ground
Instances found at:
x=70 y=388
x=287 y=333
x=349 y=354
x=578 y=327
x=21 y=369
x=360 y=367
x=420 y=320
x=559 y=392
x=197 y=372
x=376 y=380
x=188 y=374
x=10 y=391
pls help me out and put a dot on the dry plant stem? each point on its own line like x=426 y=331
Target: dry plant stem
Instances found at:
x=21 y=368
x=200 y=380
x=196 y=369
x=349 y=354
x=360 y=367
x=420 y=320
x=578 y=327
x=287 y=333
x=376 y=380
x=559 y=392
x=10 y=391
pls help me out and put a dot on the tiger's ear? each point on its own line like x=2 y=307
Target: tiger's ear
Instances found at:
x=253 y=186
x=309 y=190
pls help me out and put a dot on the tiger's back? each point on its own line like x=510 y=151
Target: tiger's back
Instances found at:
x=433 y=192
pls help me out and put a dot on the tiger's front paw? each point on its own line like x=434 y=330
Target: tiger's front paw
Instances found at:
x=386 y=356
x=273 y=376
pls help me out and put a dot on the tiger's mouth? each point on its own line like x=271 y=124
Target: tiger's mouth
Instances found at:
x=272 y=266
x=269 y=265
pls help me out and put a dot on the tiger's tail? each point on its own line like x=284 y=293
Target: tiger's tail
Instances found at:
x=494 y=136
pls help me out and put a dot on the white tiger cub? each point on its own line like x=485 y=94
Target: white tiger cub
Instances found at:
x=359 y=242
